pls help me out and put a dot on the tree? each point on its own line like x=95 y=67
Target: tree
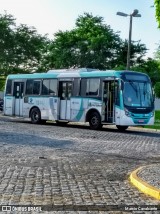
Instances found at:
x=91 y=44
x=151 y=67
x=137 y=53
x=29 y=49
x=157 y=54
x=21 y=47
x=157 y=89
x=157 y=7
x=6 y=41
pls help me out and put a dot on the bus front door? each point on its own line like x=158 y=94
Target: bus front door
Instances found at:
x=18 y=95
x=65 y=89
x=109 y=101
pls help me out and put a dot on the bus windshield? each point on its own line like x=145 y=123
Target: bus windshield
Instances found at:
x=137 y=94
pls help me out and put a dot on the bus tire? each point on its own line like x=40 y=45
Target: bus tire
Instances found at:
x=95 y=121
x=35 y=116
x=121 y=128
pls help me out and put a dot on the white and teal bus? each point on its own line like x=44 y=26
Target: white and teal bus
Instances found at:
x=123 y=98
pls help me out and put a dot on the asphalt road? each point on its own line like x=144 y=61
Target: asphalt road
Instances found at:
x=73 y=165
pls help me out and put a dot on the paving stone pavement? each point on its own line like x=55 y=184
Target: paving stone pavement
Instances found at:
x=55 y=165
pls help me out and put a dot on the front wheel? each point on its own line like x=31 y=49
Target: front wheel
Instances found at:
x=95 y=121
x=121 y=128
x=35 y=116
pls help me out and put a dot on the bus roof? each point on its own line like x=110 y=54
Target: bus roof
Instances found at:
x=64 y=73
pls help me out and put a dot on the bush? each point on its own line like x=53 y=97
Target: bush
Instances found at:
x=157 y=89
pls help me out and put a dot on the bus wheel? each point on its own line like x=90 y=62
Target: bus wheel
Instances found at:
x=35 y=116
x=122 y=128
x=95 y=121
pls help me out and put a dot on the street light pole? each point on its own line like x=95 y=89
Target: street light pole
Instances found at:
x=133 y=14
x=129 y=44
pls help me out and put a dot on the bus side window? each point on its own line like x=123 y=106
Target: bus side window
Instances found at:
x=9 y=87
x=53 y=87
x=29 y=87
x=49 y=87
x=76 y=87
x=33 y=87
x=36 y=86
x=83 y=86
x=45 y=87
x=93 y=87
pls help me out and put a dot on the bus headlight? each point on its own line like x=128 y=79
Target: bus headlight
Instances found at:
x=152 y=114
x=127 y=113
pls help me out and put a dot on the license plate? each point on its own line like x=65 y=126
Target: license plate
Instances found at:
x=141 y=121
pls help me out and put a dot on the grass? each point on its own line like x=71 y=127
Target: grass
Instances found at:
x=157 y=121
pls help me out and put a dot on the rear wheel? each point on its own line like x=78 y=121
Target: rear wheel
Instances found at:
x=95 y=121
x=121 y=128
x=35 y=116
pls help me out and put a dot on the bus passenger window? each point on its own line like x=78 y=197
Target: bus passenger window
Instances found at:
x=76 y=87
x=45 y=87
x=9 y=87
x=83 y=85
x=49 y=87
x=36 y=87
x=29 y=87
x=93 y=87
x=53 y=87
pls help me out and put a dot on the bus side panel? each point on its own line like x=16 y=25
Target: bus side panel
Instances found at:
x=9 y=105
x=54 y=108
x=77 y=109
x=117 y=115
x=95 y=104
x=68 y=111
x=48 y=106
x=37 y=102
x=80 y=107
x=26 y=109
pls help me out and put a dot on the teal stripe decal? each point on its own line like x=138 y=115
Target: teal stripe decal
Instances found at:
x=80 y=113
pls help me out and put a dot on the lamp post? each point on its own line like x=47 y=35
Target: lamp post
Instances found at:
x=133 y=14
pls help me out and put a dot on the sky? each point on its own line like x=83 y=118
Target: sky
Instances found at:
x=50 y=16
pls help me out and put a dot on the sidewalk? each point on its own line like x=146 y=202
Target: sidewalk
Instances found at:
x=147 y=180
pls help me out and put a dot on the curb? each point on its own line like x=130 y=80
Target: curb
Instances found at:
x=142 y=185
x=144 y=129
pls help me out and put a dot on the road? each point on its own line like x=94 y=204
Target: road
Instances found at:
x=72 y=165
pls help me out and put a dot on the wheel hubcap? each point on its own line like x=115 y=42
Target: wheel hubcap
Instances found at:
x=94 y=121
x=35 y=116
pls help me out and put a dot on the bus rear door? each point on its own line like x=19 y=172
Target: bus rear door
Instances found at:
x=65 y=90
x=18 y=90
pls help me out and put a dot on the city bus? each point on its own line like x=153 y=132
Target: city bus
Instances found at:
x=121 y=98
